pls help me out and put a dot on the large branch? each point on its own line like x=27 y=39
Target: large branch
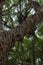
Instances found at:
x=20 y=31
x=16 y=34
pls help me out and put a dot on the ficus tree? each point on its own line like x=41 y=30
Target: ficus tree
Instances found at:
x=26 y=24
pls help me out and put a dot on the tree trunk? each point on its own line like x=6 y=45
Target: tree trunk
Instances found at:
x=33 y=53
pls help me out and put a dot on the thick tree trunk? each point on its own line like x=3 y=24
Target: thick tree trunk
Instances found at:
x=5 y=41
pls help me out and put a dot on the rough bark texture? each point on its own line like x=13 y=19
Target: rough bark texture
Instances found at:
x=7 y=38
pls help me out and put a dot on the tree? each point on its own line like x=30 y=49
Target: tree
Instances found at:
x=27 y=26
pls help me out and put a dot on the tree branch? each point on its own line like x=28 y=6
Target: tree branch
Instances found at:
x=25 y=27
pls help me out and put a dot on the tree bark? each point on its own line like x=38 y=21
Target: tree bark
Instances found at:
x=8 y=37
